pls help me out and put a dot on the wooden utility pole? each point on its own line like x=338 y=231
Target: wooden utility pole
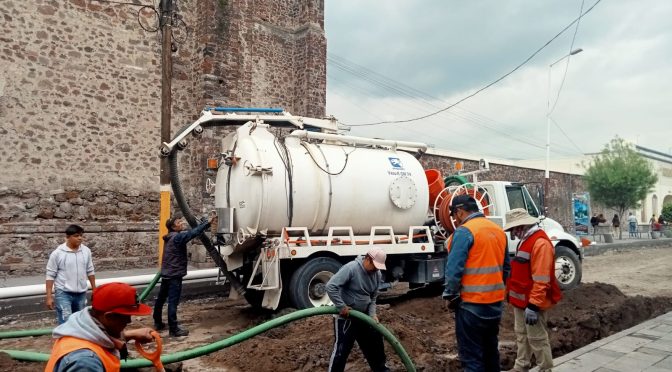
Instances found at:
x=166 y=9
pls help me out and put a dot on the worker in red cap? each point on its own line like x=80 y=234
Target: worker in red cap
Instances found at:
x=94 y=339
x=355 y=286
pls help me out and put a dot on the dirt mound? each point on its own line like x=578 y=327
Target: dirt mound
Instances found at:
x=588 y=313
x=9 y=364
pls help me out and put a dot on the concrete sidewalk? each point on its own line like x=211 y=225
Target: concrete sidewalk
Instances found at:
x=645 y=347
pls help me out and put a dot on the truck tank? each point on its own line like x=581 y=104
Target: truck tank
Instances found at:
x=274 y=182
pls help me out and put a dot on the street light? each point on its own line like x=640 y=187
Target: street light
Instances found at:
x=548 y=122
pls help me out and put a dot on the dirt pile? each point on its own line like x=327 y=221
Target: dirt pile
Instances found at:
x=587 y=313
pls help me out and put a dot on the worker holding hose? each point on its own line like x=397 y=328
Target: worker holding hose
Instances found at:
x=355 y=286
x=94 y=339
x=173 y=269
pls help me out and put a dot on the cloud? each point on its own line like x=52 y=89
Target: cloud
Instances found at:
x=619 y=85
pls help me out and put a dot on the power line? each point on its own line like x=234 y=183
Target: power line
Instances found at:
x=565 y=134
x=571 y=48
x=488 y=85
x=399 y=88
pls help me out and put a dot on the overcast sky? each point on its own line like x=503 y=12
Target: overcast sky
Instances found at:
x=400 y=59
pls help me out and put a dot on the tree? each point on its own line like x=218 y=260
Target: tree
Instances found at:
x=619 y=177
x=667 y=213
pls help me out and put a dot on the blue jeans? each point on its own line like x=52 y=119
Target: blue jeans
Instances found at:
x=477 y=342
x=68 y=303
x=171 y=289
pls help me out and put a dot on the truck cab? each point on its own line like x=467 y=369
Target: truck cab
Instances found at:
x=505 y=196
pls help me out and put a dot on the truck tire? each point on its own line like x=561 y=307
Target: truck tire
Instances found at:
x=567 y=267
x=307 y=288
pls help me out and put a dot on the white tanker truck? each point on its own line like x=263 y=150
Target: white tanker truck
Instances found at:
x=296 y=200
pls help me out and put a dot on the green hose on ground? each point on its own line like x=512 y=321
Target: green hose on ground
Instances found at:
x=47 y=331
x=240 y=337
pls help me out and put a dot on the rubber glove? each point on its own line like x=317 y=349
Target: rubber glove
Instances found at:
x=452 y=301
x=531 y=316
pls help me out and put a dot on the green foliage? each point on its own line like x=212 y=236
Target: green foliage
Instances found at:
x=667 y=213
x=619 y=177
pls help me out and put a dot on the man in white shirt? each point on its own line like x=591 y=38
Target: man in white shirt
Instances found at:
x=69 y=265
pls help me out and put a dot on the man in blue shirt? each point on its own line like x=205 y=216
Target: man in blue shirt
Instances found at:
x=477 y=268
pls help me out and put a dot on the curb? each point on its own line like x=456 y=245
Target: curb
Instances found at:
x=598 y=249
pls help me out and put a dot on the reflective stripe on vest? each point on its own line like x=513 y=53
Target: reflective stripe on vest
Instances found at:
x=516 y=295
x=483 y=282
x=521 y=280
x=67 y=344
x=521 y=254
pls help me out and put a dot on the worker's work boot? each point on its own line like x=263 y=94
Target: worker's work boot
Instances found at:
x=180 y=332
x=160 y=326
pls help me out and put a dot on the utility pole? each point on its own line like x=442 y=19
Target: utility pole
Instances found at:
x=166 y=9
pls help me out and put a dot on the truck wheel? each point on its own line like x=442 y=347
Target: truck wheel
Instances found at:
x=567 y=267
x=307 y=288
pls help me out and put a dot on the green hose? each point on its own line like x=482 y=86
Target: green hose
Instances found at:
x=237 y=338
x=151 y=286
x=47 y=331
x=455 y=180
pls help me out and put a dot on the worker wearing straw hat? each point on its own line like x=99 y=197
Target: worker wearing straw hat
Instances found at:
x=531 y=289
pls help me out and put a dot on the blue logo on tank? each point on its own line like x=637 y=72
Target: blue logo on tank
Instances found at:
x=396 y=163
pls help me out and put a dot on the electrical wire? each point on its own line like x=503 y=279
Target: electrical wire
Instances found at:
x=486 y=86
x=571 y=48
x=566 y=136
x=345 y=163
x=398 y=88
x=289 y=192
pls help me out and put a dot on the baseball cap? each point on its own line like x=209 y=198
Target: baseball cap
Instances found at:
x=119 y=298
x=464 y=202
x=378 y=257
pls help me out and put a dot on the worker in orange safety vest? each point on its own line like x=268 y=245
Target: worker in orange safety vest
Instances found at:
x=531 y=289
x=475 y=273
x=94 y=339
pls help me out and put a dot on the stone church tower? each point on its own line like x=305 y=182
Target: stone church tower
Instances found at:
x=80 y=104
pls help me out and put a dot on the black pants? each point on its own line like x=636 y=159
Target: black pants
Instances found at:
x=349 y=330
x=171 y=289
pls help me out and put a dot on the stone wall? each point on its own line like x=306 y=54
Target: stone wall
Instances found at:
x=80 y=86
x=80 y=104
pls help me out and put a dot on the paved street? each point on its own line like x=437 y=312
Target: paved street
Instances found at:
x=646 y=347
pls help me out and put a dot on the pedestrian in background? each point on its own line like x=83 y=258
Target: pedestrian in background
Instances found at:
x=632 y=225
x=477 y=268
x=615 y=223
x=594 y=222
x=532 y=289
x=94 y=339
x=355 y=286
x=173 y=269
x=68 y=268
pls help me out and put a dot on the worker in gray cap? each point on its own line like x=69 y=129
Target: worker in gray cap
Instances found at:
x=355 y=286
